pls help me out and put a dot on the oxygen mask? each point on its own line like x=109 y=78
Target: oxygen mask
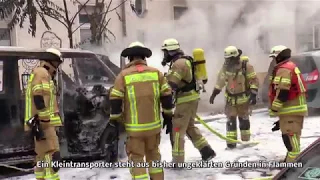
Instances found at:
x=166 y=58
x=231 y=62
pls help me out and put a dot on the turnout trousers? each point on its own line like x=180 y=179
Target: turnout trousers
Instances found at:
x=183 y=124
x=140 y=147
x=242 y=112
x=291 y=127
x=47 y=151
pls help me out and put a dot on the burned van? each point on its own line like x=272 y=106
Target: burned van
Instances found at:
x=83 y=86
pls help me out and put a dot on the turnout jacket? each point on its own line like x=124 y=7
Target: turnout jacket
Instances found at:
x=239 y=81
x=179 y=74
x=136 y=97
x=287 y=91
x=40 y=83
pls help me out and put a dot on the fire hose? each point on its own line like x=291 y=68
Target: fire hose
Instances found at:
x=221 y=136
x=16 y=168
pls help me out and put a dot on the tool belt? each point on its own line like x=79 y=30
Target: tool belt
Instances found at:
x=235 y=96
x=36 y=130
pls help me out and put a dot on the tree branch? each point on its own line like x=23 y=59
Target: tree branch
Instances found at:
x=55 y=18
x=78 y=12
x=78 y=27
x=108 y=7
x=117 y=6
x=67 y=19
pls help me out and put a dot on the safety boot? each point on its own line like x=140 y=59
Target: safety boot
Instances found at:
x=231 y=127
x=231 y=146
x=207 y=153
x=244 y=125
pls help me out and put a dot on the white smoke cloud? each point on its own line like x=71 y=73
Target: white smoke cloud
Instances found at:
x=209 y=25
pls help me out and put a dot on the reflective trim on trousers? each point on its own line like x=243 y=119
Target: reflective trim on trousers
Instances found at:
x=200 y=142
x=155 y=170
x=176 y=151
x=296 y=147
x=231 y=135
x=141 y=177
x=245 y=132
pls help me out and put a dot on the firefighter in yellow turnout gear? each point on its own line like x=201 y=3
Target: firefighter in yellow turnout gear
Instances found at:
x=182 y=80
x=287 y=95
x=135 y=101
x=41 y=102
x=241 y=84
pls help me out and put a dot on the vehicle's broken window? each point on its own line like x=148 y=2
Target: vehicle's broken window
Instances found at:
x=25 y=68
x=91 y=71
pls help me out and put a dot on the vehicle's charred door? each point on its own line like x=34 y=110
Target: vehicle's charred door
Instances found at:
x=13 y=139
x=84 y=96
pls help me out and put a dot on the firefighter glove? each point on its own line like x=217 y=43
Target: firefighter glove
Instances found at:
x=253 y=99
x=167 y=122
x=276 y=126
x=213 y=95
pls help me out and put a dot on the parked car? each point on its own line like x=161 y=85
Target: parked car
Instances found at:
x=309 y=64
x=310 y=158
x=83 y=88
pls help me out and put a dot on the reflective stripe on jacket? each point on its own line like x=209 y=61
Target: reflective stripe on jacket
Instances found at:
x=237 y=84
x=40 y=83
x=140 y=92
x=180 y=70
x=287 y=76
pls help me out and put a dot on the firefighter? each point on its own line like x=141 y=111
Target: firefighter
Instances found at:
x=135 y=101
x=41 y=102
x=241 y=84
x=182 y=80
x=287 y=95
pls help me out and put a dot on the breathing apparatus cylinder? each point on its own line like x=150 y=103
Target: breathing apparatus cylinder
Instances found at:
x=200 y=65
x=244 y=58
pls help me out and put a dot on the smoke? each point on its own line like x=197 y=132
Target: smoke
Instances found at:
x=215 y=24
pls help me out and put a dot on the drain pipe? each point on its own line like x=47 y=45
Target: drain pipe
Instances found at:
x=123 y=18
x=124 y=29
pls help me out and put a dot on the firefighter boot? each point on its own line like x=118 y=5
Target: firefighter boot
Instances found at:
x=292 y=143
x=244 y=124
x=232 y=131
x=207 y=153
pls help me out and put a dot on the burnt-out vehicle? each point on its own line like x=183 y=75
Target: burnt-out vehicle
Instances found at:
x=310 y=159
x=83 y=85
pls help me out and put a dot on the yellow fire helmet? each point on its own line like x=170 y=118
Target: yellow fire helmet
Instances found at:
x=276 y=50
x=57 y=53
x=231 y=51
x=200 y=65
x=244 y=58
x=170 y=45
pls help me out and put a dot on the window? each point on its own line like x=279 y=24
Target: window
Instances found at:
x=85 y=34
x=25 y=68
x=84 y=18
x=5 y=39
x=178 y=11
x=139 y=7
x=316 y=36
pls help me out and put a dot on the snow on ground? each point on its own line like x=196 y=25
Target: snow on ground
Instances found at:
x=270 y=148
